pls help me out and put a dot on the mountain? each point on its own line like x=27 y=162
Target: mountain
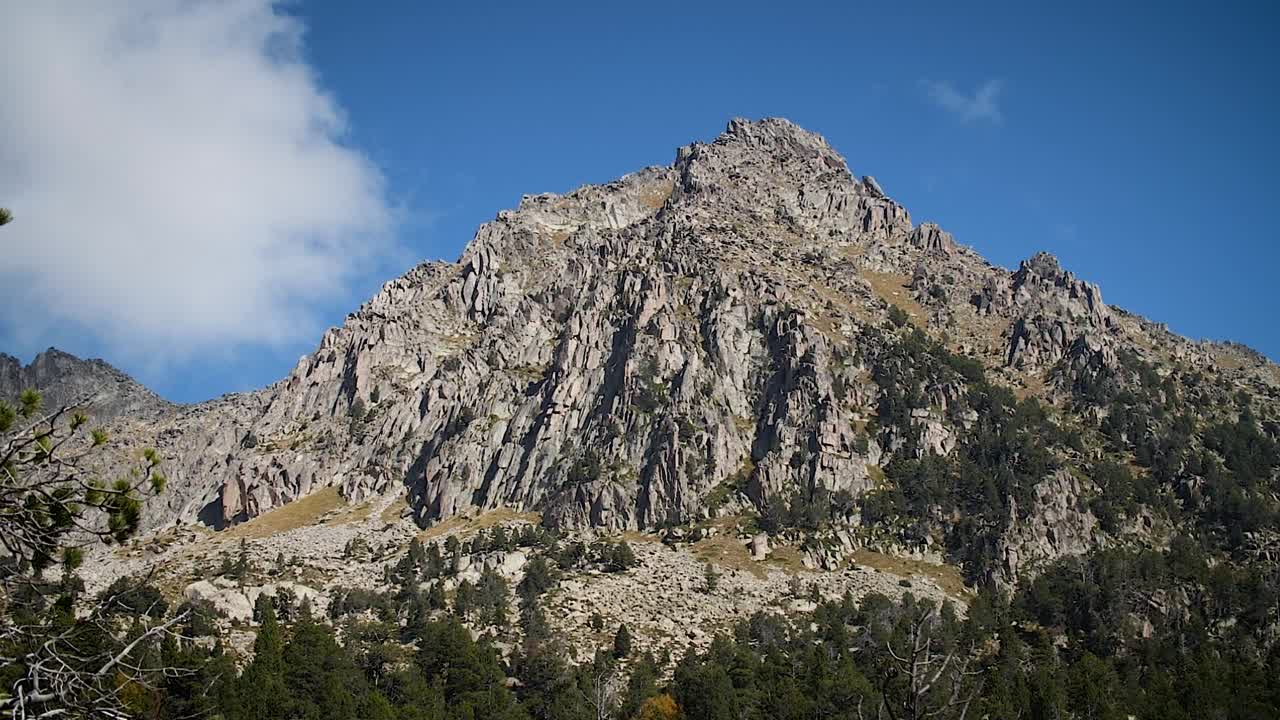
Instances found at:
x=64 y=379
x=752 y=330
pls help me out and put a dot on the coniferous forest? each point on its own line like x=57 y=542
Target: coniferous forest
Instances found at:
x=1063 y=647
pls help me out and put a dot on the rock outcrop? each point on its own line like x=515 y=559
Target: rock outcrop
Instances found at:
x=1058 y=524
x=607 y=357
x=236 y=603
x=1052 y=309
x=646 y=352
x=63 y=379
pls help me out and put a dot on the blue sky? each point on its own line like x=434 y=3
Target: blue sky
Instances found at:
x=1135 y=141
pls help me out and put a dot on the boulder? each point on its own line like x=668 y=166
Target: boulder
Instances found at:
x=760 y=547
x=229 y=603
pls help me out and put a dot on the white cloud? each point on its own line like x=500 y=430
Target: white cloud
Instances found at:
x=177 y=175
x=982 y=105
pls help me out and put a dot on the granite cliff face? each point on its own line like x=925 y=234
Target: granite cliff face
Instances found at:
x=707 y=337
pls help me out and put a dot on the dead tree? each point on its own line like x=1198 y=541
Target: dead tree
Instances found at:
x=600 y=687
x=938 y=681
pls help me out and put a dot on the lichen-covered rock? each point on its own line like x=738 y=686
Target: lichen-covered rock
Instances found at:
x=607 y=357
x=1051 y=309
x=928 y=236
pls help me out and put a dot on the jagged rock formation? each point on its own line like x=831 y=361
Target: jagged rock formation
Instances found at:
x=1054 y=309
x=62 y=379
x=635 y=354
x=1057 y=524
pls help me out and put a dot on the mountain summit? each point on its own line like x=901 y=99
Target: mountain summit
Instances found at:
x=63 y=378
x=752 y=329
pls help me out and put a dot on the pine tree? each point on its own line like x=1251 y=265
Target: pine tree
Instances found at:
x=243 y=564
x=262 y=606
x=539 y=577
x=321 y=675
x=261 y=692
x=433 y=564
x=498 y=540
x=453 y=549
x=55 y=659
x=464 y=599
x=493 y=597
x=641 y=686
x=622 y=642
x=435 y=596
x=533 y=621
x=409 y=568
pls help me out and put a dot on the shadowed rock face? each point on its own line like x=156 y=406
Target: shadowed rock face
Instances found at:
x=63 y=379
x=620 y=355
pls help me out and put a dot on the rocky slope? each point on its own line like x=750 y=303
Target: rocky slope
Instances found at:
x=714 y=337
x=664 y=598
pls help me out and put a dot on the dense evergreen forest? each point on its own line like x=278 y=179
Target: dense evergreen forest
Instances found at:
x=1073 y=644
x=1179 y=626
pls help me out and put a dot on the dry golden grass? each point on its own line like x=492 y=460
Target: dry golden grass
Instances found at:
x=839 y=305
x=986 y=333
x=837 y=299
x=639 y=536
x=895 y=290
x=853 y=251
x=947 y=577
x=725 y=550
x=654 y=197
x=1032 y=385
x=484 y=521
x=786 y=558
x=827 y=326
x=357 y=514
x=392 y=512
x=309 y=510
x=1228 y=361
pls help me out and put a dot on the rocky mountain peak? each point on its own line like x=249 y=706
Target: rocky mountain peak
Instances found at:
x=714 y=336
x=63 y=378
x=1043 y=264
x=760 y=147
x=777 y=136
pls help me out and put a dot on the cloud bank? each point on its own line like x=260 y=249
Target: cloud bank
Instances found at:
x=178 y=178
x=982 y=105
